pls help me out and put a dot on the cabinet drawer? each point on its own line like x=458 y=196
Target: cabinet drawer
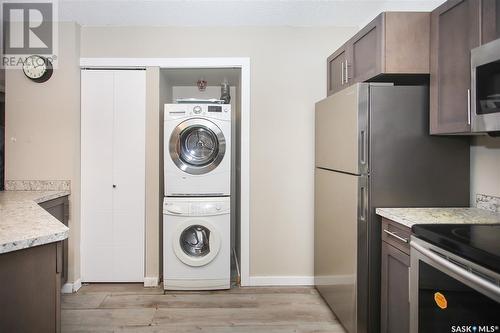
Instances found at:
x=396 y=235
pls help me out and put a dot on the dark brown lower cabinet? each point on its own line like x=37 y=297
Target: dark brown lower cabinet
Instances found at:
x=395 y=274
x=30 y=289
x=59 y=208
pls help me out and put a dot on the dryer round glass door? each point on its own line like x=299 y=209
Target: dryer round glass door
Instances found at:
x=197 y=146
x=196 y=243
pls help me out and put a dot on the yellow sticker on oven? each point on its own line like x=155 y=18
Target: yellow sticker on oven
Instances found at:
x=440 y=300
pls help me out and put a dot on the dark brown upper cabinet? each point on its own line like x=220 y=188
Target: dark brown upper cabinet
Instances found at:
x=336 y=71
x=457 y=26
x=393 y=43
x=454 y=32
x=490 y=20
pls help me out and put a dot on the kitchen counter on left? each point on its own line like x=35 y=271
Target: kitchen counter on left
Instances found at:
x=24 y=224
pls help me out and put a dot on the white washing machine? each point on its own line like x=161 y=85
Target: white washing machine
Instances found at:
x=197 y=149
x=196 y=243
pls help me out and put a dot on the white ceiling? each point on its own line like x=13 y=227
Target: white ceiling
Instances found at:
x=232 y=12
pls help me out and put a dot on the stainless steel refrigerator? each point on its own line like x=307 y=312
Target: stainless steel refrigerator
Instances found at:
x=373 y=149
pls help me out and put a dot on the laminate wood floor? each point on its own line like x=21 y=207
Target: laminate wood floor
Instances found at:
x=132 y=308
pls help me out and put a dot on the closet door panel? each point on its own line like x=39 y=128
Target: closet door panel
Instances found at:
x=129 y=175
x=96 y=174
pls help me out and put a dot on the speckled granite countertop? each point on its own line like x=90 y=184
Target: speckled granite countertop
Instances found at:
x=411 y=216
x=24 y=224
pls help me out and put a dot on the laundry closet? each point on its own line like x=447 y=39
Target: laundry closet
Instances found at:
x=200 y=177
x=176 y=222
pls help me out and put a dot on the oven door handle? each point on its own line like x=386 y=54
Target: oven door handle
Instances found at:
x=472 y=278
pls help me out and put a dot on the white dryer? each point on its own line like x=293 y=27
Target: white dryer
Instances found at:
x=196 y=243
x=197 y=149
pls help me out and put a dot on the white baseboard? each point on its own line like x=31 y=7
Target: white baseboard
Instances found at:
x=260 y=281
x=151 y=281
x=69 y=288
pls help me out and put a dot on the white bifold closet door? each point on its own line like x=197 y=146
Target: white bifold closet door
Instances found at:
x=113 y=111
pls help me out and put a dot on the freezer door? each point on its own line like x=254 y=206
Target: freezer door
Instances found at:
x=342 y=130
x=337 y=204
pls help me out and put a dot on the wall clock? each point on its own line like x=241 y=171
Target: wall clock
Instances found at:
x=37 y=68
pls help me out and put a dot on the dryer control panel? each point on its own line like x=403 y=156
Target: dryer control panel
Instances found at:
x=214 y=111
x=196 y=207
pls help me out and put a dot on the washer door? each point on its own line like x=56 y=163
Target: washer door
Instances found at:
x=197 y=146
x=196 y=243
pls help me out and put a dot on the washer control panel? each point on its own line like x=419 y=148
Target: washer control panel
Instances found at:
x=212 y=208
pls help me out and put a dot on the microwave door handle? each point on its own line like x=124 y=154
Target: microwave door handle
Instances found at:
x=448 y=266
x=468 y=107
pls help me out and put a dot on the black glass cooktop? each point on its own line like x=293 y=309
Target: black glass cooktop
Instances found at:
x=479 y=243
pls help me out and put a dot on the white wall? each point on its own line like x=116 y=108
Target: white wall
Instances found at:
x=165 y=97
x=153 y=186
x=288 y=75
x=43 y=130
x=485 y=167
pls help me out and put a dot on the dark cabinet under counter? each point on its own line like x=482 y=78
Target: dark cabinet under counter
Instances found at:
x=32 y=259
x=30 y=291
x=59 y=208
x=395 y=272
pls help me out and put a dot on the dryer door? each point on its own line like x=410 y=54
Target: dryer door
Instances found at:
x=197 y=146
x=196 y=243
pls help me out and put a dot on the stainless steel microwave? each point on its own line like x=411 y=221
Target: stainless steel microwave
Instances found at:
x=485 y=88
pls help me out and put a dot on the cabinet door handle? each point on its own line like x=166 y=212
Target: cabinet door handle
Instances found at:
x=468 y=106
x=342 y=77
x=59 y=258
x=409 y=284
x=396 y=236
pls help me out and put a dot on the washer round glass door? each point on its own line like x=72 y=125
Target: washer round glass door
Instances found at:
x=196 y=243
x=197 y=146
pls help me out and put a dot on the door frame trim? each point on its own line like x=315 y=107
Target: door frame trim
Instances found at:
x=244 y=64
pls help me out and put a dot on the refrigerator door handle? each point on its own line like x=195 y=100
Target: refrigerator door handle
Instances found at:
x=363 y=199
x=362 y=147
